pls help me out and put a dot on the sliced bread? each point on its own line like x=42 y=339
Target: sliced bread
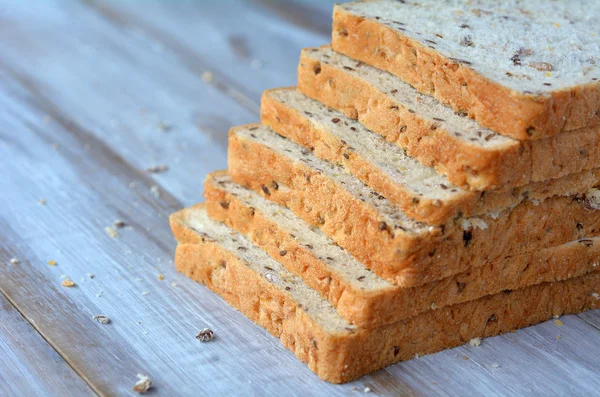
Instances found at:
x=334 y=349
x=528 y=70
x=470 y=155
x=418 y=190
x=360 y=296
x=396 y=247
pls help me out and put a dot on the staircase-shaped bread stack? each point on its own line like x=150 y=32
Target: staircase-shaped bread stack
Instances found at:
x=431 y=180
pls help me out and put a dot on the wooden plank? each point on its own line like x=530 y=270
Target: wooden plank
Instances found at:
x=592 y=318
x=309 y=15
x=125 y=102
x=249 y=50
x=87 y=189
x=561 y=357
x=29 y=365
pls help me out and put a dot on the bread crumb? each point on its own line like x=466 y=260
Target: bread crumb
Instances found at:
x=205 y=335
x=557 y=337
x=52 y=263
x=155 y=191
x=174 y=284
x=495 y=365
x=143 y=384
x=111 y=232
x=99 y=294
x=145 y=293
x=558 y=322
x=157 y=169
x=465 y=357
x=164 y=126
x=68 y=283
x=475 y=342
x=160 y=277
x=119 y=224
x=14 y=261
x=102 y=319
x=595 y=295
x=208 y=77
x=367 y=390
x=42 y=202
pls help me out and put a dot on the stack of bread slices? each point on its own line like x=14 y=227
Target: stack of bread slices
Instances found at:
x=431 y=180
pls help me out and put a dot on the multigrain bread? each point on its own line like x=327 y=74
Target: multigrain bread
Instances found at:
x=336 y=350
x=419 y=191
x=396 y=247
x=358 y=295
x=470 y=155
x=528 y=70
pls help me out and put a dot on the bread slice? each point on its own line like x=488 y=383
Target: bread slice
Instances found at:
x=358 y=295
x=528 y=70
x=334 y=349
x=396 y=247
x=418 y=190
x=470 y=155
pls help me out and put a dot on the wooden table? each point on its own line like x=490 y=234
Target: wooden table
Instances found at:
x=93 y=93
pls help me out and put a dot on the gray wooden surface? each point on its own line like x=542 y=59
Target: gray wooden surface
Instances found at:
x=94 y=92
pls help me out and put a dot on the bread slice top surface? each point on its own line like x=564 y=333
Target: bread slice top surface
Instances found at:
x=195 y=218
x=336 y=257
x=388 y=212
x=536 y=45
x=404 y=170
x=459 y=127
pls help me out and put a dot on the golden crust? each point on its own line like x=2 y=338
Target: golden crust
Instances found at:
x=405 y=258
x=469 y=166
x=291 y=123
x=388 y=305
x=340 y=357
x=523 y=116
x=349 y=299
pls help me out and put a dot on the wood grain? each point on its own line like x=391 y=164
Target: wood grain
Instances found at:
x=87 y=91
x=29 y=365
x=201 y=37
x=313 y=17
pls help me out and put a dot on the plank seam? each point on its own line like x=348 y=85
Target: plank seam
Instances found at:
x=80 y=133
x=39 y=332
x=596 y=327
